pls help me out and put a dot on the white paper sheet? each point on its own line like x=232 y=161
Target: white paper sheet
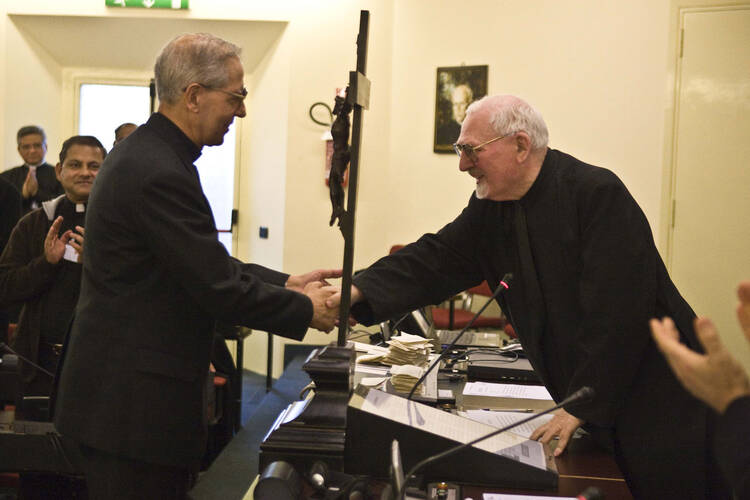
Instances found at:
x=504 y=418
x=507 y=390
x=450 y=426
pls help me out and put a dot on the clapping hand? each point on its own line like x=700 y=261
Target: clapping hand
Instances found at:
x=714 y=377
x=54 y=246
x=30 y=185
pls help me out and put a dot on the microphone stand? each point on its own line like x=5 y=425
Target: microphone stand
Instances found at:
x=581 y=395
x=4 y=346
x=501 y=287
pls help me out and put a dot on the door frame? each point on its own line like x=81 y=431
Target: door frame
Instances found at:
x=678 y=10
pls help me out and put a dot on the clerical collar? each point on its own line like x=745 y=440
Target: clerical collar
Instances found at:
x=78 y=208
x=176 y=138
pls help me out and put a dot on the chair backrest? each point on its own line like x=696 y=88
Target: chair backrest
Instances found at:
x=11 y=332
x=481 y=289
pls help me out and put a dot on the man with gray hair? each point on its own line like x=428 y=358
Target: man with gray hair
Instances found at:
x=35 y=180
x=156 y=279
x=588 y=278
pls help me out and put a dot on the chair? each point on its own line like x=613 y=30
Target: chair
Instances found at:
x=11 y=332
x=451 y=318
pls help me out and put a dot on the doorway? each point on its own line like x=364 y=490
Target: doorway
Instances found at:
x=709 y=250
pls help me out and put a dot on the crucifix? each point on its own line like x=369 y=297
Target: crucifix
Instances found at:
x=318 y=433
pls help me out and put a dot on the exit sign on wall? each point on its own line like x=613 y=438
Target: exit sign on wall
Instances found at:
x=148 y=4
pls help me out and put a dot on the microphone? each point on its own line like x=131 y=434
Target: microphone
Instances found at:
x=4 y=346
x=501 y=287
x=583 y=394
x=397 y=483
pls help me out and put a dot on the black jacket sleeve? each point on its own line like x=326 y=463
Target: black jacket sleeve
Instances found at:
x=732 y=447
x=425 y=272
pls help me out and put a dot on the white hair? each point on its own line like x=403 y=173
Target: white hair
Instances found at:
x=192 y=58
x=510 y=114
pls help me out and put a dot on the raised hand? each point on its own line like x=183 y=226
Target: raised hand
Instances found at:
x=54 y=246
x=76 y=241
x=716 y=377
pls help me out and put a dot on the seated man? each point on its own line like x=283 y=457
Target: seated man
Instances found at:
x=41 y=267
x=717 y=379
x=35 y=179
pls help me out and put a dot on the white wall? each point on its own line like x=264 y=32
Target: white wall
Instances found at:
x=32 y=93
x=600 y=71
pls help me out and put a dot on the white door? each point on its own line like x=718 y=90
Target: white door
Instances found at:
x=711 y=225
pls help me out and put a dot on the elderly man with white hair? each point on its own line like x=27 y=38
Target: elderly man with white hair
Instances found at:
x=588 y=278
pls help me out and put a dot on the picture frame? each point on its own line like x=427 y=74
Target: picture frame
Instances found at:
x=456 y=87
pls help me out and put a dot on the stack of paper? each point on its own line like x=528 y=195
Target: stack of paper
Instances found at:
x=491 y=396
x=403 y=377
x=374 y=353
x=407 y=349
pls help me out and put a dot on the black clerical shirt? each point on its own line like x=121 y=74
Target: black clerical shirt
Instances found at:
x=62 y=296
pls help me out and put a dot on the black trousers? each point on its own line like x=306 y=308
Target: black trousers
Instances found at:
x=110 y=477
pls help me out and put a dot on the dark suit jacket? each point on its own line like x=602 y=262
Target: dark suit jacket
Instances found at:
x=10 y=210
x=49 y=186
x=732 y=446
x=599 y=280
x=155 y=277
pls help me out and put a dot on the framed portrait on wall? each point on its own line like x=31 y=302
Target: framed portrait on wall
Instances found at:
x=457 y=87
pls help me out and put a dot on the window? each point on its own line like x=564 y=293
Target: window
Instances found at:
x=122 y=103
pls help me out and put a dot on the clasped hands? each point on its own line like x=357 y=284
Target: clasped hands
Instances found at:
x=316 y=287
x=30 y=185
x=325 y=297
x=563 y=424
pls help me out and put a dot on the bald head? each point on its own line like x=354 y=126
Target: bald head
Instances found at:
x=507 y=114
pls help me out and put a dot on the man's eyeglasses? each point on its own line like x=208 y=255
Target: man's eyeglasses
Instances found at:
x=471 y=151
x=238 y=95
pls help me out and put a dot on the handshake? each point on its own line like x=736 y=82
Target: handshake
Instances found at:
x=325 y=297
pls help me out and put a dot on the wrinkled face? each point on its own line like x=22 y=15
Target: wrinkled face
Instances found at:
x=78 y=171
x=496 y=172
x=32 y=149
x=219 y=106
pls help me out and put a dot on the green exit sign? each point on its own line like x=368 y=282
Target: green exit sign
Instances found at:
x=148 y=4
